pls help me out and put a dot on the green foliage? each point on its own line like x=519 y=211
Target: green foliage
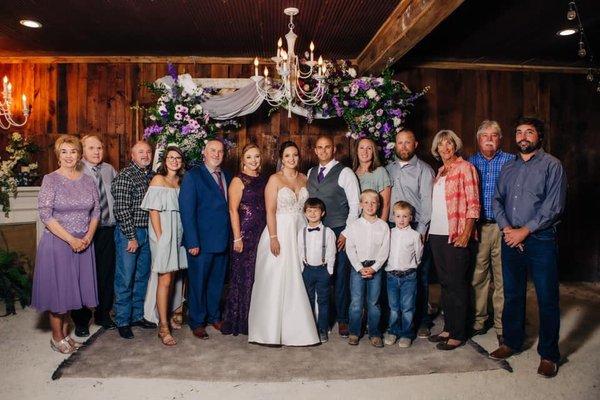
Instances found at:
x=15 y=285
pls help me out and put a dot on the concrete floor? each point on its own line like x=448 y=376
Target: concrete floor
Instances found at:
x=28 y=362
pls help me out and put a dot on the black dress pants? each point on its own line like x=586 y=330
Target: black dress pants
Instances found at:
x=104 y=250
x=452 y=266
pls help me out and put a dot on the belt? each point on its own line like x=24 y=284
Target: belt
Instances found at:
x=401 y=274
x=314 y=266
x=367 y=263
x=488 y=221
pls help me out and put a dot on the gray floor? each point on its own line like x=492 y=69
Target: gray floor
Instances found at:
x=28 y=363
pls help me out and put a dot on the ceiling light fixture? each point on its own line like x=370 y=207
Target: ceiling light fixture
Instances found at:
x=566 y=32
x=30 y=23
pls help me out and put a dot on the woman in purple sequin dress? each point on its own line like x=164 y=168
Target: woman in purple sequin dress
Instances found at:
x=65 y=267
x=248 y=219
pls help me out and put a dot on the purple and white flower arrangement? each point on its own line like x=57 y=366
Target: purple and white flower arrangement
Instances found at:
x=178 y=117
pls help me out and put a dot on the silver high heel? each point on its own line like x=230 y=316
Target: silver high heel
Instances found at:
x=62 y=346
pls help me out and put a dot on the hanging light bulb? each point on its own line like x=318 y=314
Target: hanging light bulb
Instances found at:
x=582 y=52
x=571 y=14
x=590 y=75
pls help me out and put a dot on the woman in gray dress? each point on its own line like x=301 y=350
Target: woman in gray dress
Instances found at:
x=371 y=174
x=166 y=232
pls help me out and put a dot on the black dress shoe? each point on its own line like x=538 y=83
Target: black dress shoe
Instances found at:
x=447 y=346
x=437 y=338
x=82 y=331
x=107 y=324
x=476 y=332
x=125 y=332
x=145 y=324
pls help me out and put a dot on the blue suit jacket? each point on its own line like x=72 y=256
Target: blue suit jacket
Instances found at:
x=204 y=211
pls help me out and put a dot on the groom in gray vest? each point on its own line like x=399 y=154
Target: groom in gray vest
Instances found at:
x=337 y=186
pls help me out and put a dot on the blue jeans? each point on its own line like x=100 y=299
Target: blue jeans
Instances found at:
x=540 y=257
x=359 y=289
x=341 y=281
x=402 y=294
x=316 y=281
x=131 y=277
x=422 y=317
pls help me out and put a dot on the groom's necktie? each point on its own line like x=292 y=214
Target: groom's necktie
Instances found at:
x=220 y=182
x=321 y=176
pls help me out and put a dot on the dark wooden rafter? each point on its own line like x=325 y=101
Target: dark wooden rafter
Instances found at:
x=406 y=26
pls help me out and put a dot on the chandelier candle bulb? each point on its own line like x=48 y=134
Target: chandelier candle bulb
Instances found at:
x=9 y=90
x=4 y=84
x=24 y=98
x=266 y=72
x=312 y=49
x=256 y=66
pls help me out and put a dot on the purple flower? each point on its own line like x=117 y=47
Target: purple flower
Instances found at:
x=363 y=103
x=171 y=70
x=186 y=130
x=379 y=112
x=152 y=130
x=386 y=127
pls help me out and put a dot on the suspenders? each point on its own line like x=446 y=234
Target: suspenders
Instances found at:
x=322 y=244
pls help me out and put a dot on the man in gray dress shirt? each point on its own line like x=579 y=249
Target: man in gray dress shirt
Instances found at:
x=412 y=181
x=104 y=245
x=529 y=199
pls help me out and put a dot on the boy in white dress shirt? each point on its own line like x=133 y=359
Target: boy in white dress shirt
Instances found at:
x=367 y=246
x=406 y=250
x=316 y=247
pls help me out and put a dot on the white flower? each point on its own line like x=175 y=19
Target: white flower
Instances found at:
x=352 y=72
x=152 y=118
x=397 y=121
x=166 y=81
x=178 y=116
x=390 y=145
x=16 y=136
x=371 y=93
x=378 y=125
x=33 y=166
x=345 y=103
x=187 y=83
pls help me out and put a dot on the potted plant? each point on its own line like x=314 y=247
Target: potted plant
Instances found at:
x=15 y=285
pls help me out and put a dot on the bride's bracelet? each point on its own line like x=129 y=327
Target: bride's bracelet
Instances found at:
x=273 y=236
x=238 y=239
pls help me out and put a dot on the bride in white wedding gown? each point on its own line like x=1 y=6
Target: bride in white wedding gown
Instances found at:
x=280 y=313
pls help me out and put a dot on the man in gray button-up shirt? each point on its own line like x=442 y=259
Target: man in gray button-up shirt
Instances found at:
x=412 y=181
x=529 y=199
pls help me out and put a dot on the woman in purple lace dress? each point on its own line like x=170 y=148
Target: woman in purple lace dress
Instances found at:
x=248 y=219
x=65 y=267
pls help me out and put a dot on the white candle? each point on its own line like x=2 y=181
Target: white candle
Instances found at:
x=279 y=49
x=24 y=98
x=320 y=62
x=4 y=83
x=266 y=72
x=256 y=66
x=312 y=49
x=9 y=90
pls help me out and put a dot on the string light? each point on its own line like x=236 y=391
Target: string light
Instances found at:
x=573 y=14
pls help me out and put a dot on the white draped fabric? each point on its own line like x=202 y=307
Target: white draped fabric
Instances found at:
x=243 y=101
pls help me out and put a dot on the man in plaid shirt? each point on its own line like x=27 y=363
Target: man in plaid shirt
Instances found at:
x=131 y=241
x=488 y=161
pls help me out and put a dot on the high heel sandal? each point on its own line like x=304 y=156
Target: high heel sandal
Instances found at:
x=74 y=344
x=176 y=321
x=62 y=346
x=164 y=333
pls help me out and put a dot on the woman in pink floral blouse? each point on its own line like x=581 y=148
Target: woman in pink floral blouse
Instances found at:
x=455 y=208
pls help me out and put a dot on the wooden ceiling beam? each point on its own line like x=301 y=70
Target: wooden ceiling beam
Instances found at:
x=406 y=26
x=482 y=66
x=65 y=59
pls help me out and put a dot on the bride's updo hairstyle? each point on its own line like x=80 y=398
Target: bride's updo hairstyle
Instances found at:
x=285 y=145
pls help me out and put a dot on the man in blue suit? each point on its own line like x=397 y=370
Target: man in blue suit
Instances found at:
x=205 y=219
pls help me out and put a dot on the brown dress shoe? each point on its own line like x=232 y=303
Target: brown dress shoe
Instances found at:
x=343 y=329
x=502 y=353
x=547 y=368
x=353 y=340
x=200 y=333
x=376 y=341
x=217 y=325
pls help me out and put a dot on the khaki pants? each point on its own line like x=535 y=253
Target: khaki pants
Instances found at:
x=488 y=255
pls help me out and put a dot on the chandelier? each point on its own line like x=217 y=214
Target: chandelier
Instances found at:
x=6 y=117
x=289 y=90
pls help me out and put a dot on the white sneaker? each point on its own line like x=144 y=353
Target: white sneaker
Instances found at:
x=404 y=343
x=389 y=339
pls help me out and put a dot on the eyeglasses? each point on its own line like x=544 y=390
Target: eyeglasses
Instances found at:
x=171 y=158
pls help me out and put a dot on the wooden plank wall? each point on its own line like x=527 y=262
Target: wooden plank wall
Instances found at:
x=461 y=99
x=96 y=98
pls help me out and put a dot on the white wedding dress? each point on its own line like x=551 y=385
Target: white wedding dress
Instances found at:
x=280 y=313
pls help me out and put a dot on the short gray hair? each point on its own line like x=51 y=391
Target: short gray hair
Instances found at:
x=488 y=123
x=446 y=134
